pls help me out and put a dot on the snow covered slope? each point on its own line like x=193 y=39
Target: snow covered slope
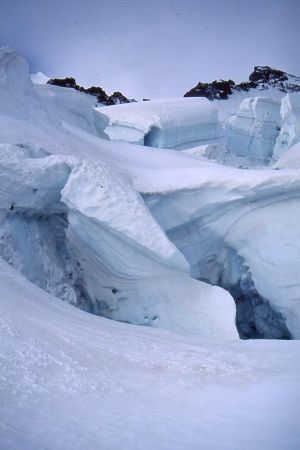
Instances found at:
x=75 y=380
x=169 y=123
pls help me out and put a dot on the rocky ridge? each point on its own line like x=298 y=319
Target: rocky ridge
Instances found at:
x=262 y=77
x=102 y=97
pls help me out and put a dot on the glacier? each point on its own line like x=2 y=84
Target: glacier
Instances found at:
x=198 y=253
x=188 y=218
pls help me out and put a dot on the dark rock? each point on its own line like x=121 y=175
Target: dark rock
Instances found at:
x=218 y=89
x=102 y=97
x=262 y=77
x=264 y=74
x=64 y=82
x=118 y=97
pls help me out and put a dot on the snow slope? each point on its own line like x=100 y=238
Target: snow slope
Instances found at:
x=74 y=379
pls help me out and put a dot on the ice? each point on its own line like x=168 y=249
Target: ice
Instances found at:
x=290 y=124
x=169 y=123
x=251 y=133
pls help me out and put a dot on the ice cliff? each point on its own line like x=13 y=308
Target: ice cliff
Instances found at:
x=251 y=132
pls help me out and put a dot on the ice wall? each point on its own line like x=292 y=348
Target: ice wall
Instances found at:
x=251 y=132
x=236 y=230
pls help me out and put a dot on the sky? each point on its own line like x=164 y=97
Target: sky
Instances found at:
x=152 y=48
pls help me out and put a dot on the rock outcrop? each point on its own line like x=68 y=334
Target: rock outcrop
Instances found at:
x=102 y=97
x=262 y=78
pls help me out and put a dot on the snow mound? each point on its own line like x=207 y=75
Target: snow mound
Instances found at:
x=169 y=123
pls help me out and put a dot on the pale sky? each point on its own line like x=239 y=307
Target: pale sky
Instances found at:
x=152 y=48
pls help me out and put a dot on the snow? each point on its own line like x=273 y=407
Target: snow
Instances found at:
x=168 y=123
x=124 y=231
x=39 y=78
x=72 y=378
